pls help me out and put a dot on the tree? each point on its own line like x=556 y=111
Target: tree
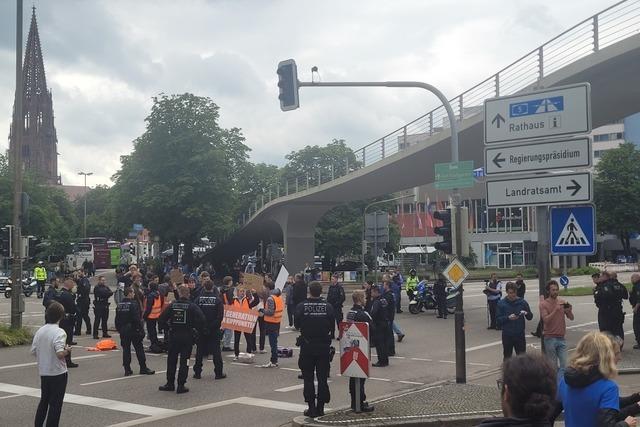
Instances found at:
x=258 y=180
x=617 y=193
x=181 y=180
x=101 y=216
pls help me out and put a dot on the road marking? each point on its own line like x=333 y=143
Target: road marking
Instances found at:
x=250 y=401
x=380 y=379
x=411 y=382
x=295 y=387
x=397 y=357
x=120 y=378
x=580 y=325
x=421 y=360
x=10 y=396
x=22 y=365
x=479 y=364
x=291 y=369
x=446 y=361
x=95 y=402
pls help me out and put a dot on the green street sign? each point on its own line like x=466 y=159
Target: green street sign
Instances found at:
x=454 y=175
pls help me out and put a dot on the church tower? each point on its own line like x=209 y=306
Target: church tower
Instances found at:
x=39 y=140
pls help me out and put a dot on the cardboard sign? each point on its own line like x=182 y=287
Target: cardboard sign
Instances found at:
x=252 y=281
x=355 y=353
x=282 y=278
x=239 y=319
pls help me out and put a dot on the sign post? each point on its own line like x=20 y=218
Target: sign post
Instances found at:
x=355 y=353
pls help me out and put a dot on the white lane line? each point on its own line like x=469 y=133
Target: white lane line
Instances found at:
x=96 y=402
x=397 y=357
x=250 y=401
x=380 y=379
x=291 y=369
x=10 y=396
x=478 y=364
x=294 y=387
x=580 y=325
x=22 y=365
x=120 y=378
x=411 y=382
x=446 y=361
x=421 y=360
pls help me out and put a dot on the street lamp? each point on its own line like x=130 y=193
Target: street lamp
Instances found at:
x=84 y=228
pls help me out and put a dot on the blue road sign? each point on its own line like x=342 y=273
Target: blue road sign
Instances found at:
x=564 y=281
x=536 y=106
x=573 y=230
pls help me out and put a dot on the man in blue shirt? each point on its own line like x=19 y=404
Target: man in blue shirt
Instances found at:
x=510 y=316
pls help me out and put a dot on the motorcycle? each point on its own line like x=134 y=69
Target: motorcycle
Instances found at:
x=29 y=286
x=425 y=298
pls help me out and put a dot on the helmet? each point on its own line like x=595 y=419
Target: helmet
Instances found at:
x=412 y=271
x=40 y=263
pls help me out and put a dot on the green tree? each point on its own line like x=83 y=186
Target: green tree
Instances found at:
x=258 y=180
x=617 y=193
x=101 y=216
x=181 y=180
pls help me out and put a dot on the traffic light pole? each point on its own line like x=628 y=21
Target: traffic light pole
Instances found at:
x=461 y=368
x=16 y=270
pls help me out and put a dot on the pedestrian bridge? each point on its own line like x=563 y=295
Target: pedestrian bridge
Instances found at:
x=603 y=50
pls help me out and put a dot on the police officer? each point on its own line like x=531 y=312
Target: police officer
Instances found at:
x=209 y=340
x=129 y=325
x=101 y=295
x=83 y=292
x=40 y=274
x=68 y=301
x=335 y=297
x=440 y=295
x=381 y=331
x=358 y=314
x=153 y=307
x=389 y=295
x=182 y=317
x=634 y=299
x=412 y=284
x=315 y=319
x=608 y=295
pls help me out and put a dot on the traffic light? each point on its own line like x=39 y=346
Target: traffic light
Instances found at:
x=446 y=230
x=4 y=243
x=288 y=85
x=132 y=249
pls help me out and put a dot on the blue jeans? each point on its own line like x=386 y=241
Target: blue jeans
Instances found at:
x=396 y=328
x=273 y=343
x=556 y=350
x=226 y=338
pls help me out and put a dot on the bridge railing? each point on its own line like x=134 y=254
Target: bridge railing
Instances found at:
x=617 y=22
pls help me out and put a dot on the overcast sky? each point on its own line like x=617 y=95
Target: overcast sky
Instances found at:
x=105 y=60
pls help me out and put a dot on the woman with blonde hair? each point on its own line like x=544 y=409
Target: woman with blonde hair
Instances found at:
x=589 y=395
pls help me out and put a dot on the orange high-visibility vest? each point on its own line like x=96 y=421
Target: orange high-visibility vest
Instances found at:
x=244 y=303
x=157 y=307
x=277 y=315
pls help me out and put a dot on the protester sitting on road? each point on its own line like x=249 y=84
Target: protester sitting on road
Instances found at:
x=589 y=395
x=527 y=391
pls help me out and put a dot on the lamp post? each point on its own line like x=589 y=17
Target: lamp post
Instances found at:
x=84 y=227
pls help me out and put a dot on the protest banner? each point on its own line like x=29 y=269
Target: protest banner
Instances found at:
x=239 y=319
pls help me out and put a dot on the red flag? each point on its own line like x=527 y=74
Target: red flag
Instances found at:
x=418 y=216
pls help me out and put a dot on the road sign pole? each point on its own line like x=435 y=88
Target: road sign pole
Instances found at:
x=358 y=407
x=542 y=252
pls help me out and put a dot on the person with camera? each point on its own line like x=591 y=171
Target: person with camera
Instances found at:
x=315 y=319
x=553 y=311
x=493 y=291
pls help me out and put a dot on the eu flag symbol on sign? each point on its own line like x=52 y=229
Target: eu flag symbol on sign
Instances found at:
x=573 y=230
x=553 y=104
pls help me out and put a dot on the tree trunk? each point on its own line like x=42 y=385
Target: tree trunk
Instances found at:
x=626 y=246
x=187 y=256
x=176 y=248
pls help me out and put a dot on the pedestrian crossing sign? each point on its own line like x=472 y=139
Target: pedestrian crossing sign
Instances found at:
x=573 y=230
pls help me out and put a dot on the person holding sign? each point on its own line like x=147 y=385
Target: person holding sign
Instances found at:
x=358 y=314
x=247 y=301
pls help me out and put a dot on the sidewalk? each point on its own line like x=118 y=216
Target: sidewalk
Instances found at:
x=441 y=404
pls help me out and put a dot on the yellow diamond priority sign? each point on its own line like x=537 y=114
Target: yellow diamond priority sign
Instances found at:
x=455 y=272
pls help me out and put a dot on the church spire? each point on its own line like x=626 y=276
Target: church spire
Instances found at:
x=35 y=82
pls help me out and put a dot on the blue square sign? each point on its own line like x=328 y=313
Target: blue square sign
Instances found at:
x=573 y=230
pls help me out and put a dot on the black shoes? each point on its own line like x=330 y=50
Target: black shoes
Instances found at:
x=128 y=372
x=300 y=376
x=364 y=407
x=74 y=343
x=106 y=336
x=72 y=365
x=379 y=364
x=197 y=376
x=400 y=337
x=320 y=409
x=535 y=334
x=311 y=412
x=220 y=377
x=182 y=389
x=95 y=337
x=146 y=371
x=167 y=387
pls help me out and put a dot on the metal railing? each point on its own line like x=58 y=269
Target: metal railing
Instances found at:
x=617 y=22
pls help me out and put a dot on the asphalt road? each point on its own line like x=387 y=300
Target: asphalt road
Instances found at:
x=98 y=394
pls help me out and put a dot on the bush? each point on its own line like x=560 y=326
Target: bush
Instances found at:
x=529 y=273
x=583 y=271
x=10 y=337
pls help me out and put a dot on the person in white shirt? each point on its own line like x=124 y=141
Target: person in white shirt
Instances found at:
x=50 y=349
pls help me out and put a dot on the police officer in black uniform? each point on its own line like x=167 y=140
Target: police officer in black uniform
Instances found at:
x=358 y=314
x=440 y=295
x=129 y=325
x=634 y=299
x=68 y=301
x=182 y=317
x=315 y=319
x=209 y=340
x=83 y=292
x=335 y=297
x=608 y=295
x=101 y=295
x=380 y=316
